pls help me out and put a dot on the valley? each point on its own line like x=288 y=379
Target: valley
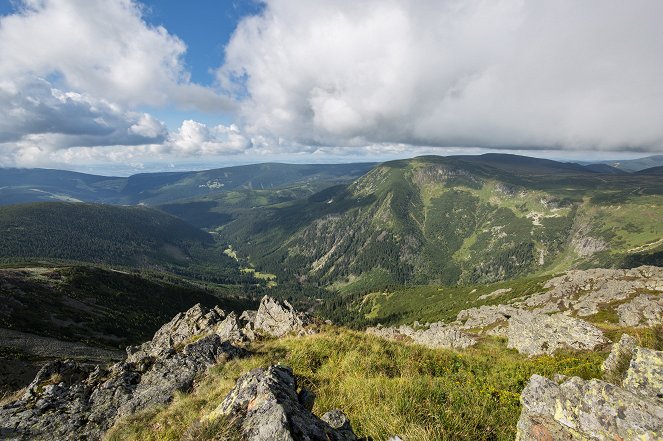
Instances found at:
x=436 y=295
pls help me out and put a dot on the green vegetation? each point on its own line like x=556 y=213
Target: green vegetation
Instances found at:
x=456 y=221
x=385 y=388
x=133 y=237
x=423 y=303
x=101 y=306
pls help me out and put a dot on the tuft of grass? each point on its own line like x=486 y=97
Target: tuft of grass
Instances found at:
x=386 y=388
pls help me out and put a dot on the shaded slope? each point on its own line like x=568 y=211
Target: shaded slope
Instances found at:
x=129 y=236
x=98 y=306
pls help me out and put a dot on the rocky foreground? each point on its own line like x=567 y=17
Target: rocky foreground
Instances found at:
x=552 y=319
x=69 y=401
x=628 y=408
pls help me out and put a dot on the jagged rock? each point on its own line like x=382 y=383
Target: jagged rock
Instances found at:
x=248 y=317
x=278 y=318
x=587 y=410
x=176 y=332
x=536 y=334
x=437 y=335
x=643 y=310
x=645 y=373
x=264 y=406
x=68 y=401
x=614 y=367
x=230 y=328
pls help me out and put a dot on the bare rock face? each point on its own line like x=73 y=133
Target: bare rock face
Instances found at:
x=436 y=335
x=264 y=406
x=614 y=367
x=68 y=402
x=645 y=373
x=587 y=410
x=595 y=409
x=643 y=310
x=278 y=318
x=537 y=334
x=494 y=318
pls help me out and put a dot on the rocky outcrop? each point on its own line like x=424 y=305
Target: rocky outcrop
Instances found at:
x=68 y=401
x=587 y=410
x=264 y=406
x=490 y=319
x=614 y=367
x=436 y=335
x=645 y=373
x=278 y=318
x=586 y=292
x=643 y=310
x=596 y=409
x=536 y=334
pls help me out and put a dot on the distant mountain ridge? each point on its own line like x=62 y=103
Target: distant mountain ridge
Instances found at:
x=38 y=185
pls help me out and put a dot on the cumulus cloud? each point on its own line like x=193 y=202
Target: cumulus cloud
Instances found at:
x=555 y=74
x=72 y=72
x=197 y=139
x=103 y=48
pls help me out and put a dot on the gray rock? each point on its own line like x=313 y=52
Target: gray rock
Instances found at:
x=586 y=292
x=248 y=317
x=436 y=335
x=492 y=317
x=643 y=310
x=278 y=318
x=645 y=373
x=68 y=401
x=615 y=365
x=307 y=398
x=264 y=406
x=537 y=334
x=586 y=410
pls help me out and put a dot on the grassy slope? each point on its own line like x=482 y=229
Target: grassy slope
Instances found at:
x=386 y=388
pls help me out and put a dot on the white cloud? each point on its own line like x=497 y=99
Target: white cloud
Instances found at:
x=72 y=72
x=556 y=74
x=197 y=139
x=103 y=48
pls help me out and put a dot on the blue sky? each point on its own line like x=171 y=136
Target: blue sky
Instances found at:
x=129 y=85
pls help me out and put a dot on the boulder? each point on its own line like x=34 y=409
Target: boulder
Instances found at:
x=492 y=317
x=643 y=310
x=587 y=410
x=537 y=334
x=278 y=318
x=264 y=406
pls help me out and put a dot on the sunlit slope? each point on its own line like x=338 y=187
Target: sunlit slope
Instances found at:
x=454 y=220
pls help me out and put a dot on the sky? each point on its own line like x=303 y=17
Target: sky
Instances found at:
x=120 y=86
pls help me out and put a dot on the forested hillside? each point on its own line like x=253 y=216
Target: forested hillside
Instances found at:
x=458 y=220
x=127 y=236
